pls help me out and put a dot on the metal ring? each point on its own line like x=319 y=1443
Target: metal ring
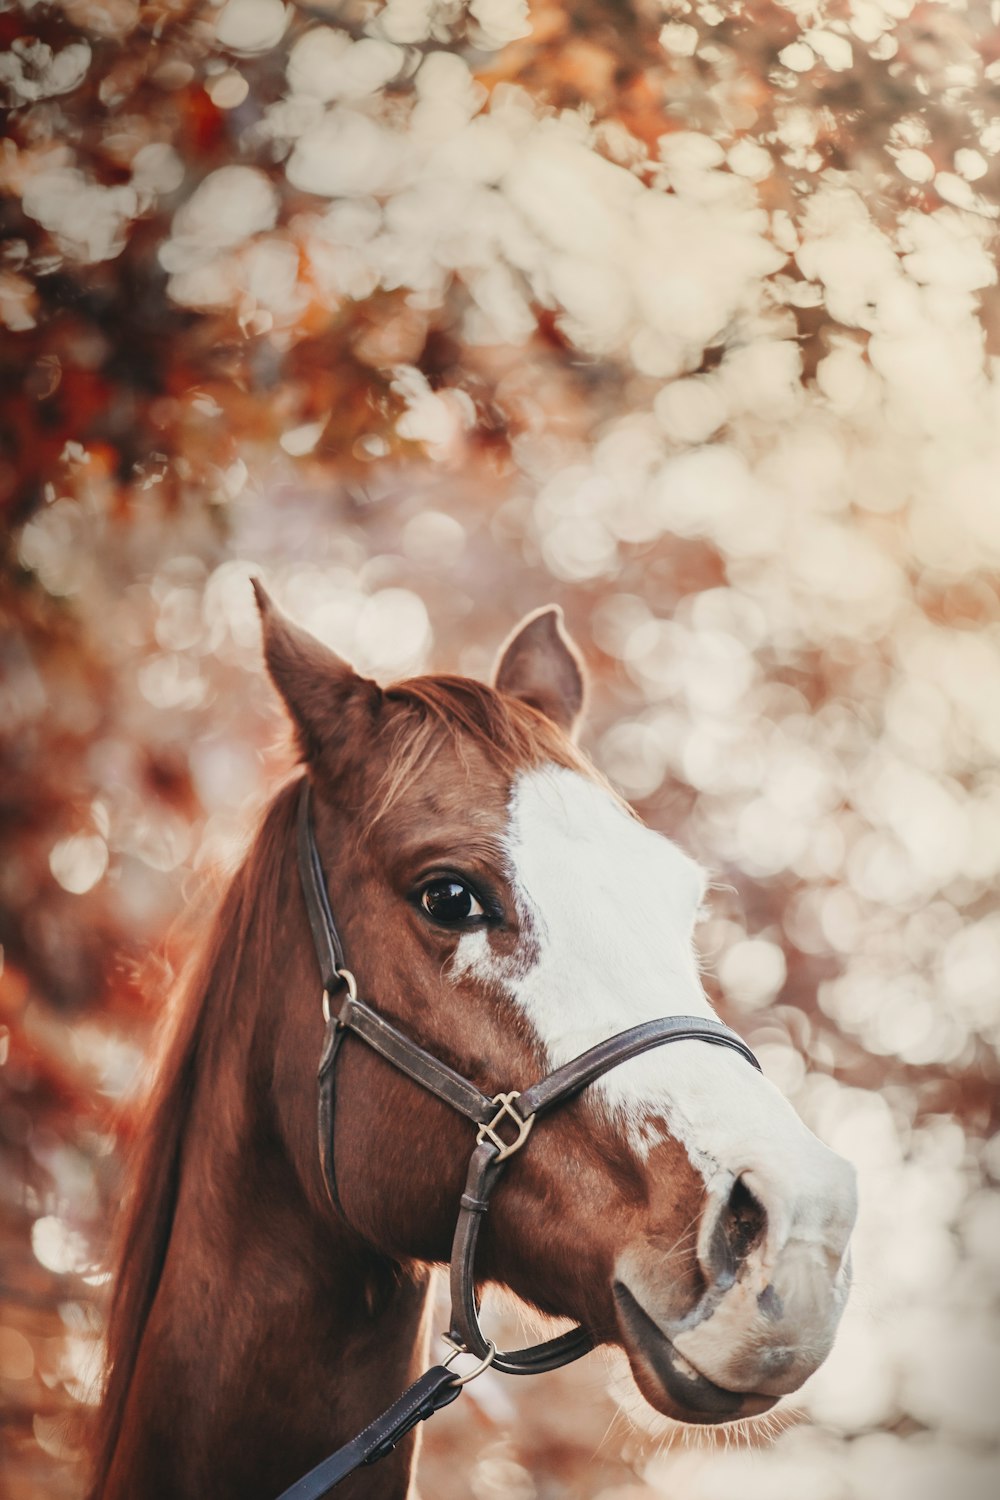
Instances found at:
x=483 y=1364
x=352 y=992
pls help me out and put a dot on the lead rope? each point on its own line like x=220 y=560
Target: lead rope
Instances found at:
x=437 y=1388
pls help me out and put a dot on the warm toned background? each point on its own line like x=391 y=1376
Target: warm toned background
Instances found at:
x=682 y=314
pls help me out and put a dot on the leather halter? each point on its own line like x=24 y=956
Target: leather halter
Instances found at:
x=495 y=1119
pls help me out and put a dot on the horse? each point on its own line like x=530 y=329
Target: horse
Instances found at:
x=500 y=904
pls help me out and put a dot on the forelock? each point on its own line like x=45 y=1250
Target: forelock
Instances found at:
x=470 y=718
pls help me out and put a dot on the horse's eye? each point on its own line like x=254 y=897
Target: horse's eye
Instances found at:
x=450 y=902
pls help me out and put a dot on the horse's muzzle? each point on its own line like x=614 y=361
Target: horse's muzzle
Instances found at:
x=758 y=1311
x=693 y=1396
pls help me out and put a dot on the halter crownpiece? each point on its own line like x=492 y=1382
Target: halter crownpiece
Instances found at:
x=504 y=1123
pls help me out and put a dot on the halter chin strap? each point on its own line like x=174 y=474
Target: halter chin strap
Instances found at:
x=503 y=1123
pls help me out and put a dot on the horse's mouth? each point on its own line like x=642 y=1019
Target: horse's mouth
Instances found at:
x=692 y=1396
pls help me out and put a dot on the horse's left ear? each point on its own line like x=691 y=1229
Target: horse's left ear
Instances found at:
x=539 y=664
x=330 y=705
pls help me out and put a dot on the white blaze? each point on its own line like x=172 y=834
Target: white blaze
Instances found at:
x=610 y=906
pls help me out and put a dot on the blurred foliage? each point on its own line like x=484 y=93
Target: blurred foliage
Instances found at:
x=681 y=313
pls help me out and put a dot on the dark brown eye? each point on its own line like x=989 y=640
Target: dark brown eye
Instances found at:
x=450 y=902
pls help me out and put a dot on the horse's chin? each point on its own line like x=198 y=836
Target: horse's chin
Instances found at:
x=669 y=1382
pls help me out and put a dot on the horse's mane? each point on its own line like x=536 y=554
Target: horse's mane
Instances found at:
x=512 y=735
x=247 y=913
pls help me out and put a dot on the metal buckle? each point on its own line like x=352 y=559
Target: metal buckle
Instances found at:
x=489 y=1131
x=352 y=992
x=457 y=1349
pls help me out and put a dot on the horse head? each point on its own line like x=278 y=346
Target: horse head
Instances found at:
x=503 y=907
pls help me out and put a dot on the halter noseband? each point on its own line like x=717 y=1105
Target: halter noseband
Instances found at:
x=503 y=1123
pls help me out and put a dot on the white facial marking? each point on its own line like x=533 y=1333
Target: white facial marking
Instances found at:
x=610 y=907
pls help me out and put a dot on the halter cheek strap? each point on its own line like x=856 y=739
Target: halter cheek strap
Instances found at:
x=503 y=1123
x=326 y=938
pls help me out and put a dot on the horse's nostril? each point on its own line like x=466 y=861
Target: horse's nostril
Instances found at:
x=739 y=1227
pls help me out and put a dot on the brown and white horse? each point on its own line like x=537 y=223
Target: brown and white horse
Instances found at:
x=501 y=906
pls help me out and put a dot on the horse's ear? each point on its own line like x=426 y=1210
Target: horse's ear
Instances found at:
x=539 y=664
x=326 y=698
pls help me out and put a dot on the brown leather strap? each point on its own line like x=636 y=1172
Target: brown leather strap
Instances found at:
x=327 y=1103
x=432 y=1074
x=417 y=1064
x=484 y=1173
x=326 y=938
x=576 y=1074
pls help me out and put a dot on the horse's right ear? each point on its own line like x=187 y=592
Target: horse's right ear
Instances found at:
x=326 y=698
x=539 y=664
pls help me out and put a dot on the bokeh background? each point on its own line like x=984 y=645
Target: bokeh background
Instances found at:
x=683 y=314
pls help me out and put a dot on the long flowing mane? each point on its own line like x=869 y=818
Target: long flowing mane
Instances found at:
x=247 y=914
